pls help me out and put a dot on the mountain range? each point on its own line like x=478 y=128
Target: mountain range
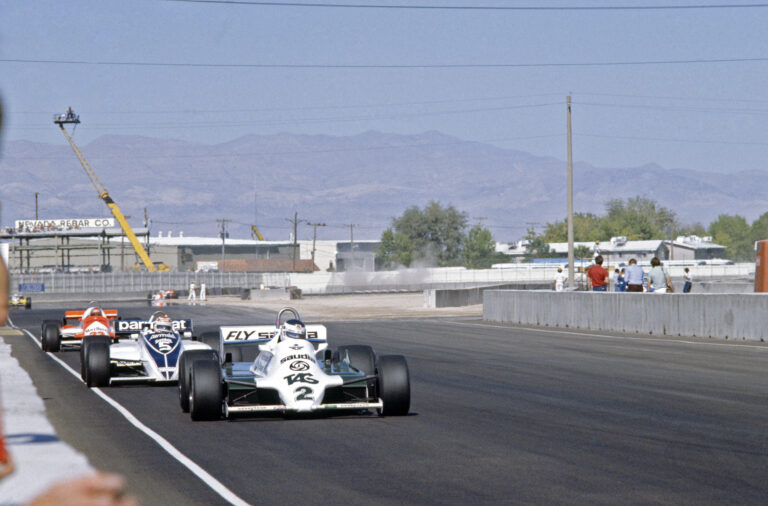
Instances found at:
x=364 y=180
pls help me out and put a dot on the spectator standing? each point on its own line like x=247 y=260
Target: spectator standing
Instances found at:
x=560 y=279
x=192 y=295
x=202 y=291
x=658 y=279
x=634 y=276
x=688 y=280
x=622 y=286
x=597 y=276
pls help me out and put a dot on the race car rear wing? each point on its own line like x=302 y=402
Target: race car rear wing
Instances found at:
x=132 y=328
x=78 y=315
x=258 y=334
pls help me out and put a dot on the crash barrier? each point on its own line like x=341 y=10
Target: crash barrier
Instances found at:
x=403 y=280
x=720 y=316
x=435 y=298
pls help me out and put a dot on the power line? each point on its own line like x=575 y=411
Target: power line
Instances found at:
x=320 y=66
x=479 y=7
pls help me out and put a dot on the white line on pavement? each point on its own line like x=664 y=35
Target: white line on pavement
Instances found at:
x=198 y=471
x=607 y=336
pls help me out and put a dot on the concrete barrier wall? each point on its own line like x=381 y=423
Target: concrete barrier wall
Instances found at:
x=721 y=316
x=457 y=297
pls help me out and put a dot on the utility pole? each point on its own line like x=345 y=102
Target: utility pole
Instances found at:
x=146 y=223
x=533 y=224
x=314 y=238
x=295 y=222
x=352 y=245
x=36 y=216
x=224 y=234
x=571 y=275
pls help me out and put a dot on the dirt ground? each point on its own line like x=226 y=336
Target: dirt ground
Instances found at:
x=355 y=307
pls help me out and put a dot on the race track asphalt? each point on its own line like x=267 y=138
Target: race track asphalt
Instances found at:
x=499 y=415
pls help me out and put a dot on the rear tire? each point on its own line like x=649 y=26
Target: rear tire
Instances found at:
x=206 y=390
x=51 y=340
x=97 y=361
x=394 y=385
x=28 y=303
x=361 y=357
x=185 y=371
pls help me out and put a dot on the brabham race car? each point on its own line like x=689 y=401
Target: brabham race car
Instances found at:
x=144 y=351
x=93 y=321
x=288 y=368
x=18 y=300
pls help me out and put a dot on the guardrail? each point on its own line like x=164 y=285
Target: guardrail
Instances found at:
x=329 y=282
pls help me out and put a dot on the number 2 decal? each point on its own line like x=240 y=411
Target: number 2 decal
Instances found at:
x=304 y=394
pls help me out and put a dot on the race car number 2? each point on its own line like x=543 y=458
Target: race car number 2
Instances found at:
x=304 y=394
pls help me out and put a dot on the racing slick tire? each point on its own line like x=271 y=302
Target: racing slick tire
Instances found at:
x=28 y=303
x=361 y=357
x=50 y=339
x=205 y=390
x=96 y=361
x=394 y=385
x=185 y=371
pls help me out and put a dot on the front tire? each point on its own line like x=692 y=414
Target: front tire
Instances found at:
x=97 y=362
x=206 y=390
x=186 y=361
x=394 y=385
x=51 y=340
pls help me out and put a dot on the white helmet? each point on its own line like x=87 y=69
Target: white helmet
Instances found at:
x=163 y=324
x=294 y=329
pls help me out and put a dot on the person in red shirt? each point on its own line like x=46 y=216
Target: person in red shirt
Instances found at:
x=597 y=276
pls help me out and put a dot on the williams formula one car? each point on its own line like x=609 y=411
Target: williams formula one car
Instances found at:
x=288 y=368
x=144 y=351
x=93 y=321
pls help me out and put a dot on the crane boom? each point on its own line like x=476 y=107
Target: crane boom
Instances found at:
x=70 y=117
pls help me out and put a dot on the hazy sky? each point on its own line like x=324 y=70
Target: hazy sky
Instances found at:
x=212 y=72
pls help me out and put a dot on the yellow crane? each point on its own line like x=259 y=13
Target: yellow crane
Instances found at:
x=70 y=117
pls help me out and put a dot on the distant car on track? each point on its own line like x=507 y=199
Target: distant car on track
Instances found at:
x=17 y=300
x=144 y=351
x=93 y=321
x=288 y=368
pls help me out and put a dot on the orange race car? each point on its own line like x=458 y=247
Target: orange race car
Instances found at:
x=93 y=321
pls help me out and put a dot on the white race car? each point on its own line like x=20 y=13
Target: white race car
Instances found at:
x=288 y=368
x=144 y=351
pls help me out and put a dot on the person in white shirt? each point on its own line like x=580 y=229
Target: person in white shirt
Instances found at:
x=688 y=280
x=192 y=294
x=560 y=280
x=202 y=290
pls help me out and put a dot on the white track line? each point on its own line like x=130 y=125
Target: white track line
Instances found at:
x=198 y=471
x=607 y=336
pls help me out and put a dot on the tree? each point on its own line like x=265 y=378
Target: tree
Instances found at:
x=395 y=249
x=638 y=218
x=537 y=247
x=436 y=232
x=759 y=229
x=734 y=233
x=586 y=227
x=480 y=249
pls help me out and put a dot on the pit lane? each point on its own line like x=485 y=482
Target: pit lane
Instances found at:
x=498 y=415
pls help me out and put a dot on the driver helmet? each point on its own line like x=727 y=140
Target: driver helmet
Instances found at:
x=164 y=324
x=294 y=329
x=95 y=312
